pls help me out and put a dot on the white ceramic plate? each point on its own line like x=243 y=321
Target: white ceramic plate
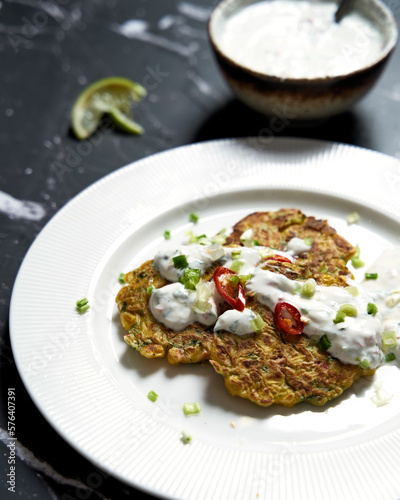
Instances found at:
x=92 y=387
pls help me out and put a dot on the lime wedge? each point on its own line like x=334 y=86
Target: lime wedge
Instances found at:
x=124 y=123
x=114 y=96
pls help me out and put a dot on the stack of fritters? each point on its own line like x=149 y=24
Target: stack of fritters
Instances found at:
x=267 y=367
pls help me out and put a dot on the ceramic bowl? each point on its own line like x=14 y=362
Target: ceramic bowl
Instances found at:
x=297 y=100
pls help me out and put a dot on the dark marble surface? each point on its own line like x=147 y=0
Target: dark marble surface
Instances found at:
x=49 y=51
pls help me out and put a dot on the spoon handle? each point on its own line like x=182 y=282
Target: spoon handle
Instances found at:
x=343 y=9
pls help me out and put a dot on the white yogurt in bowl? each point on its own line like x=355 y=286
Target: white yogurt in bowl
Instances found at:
x=300 y=39
x=290 y=59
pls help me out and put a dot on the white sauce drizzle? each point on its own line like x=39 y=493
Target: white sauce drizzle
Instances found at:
x=299 y=39
x=297 y=246
x=237 y=322
x=171 y=305
x=352 y=341
x=355 y=339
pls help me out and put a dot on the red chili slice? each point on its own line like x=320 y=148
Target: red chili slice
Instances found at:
x=232 y=293
x=279 y=258
x=288 y=318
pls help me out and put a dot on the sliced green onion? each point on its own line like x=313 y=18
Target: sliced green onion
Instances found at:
x=357 y=262
x=364 y=364
x=121 y=278
x=309 y=287
x=371 y=276
x=352 y=218
x=234 y=279
x=153 y=396
x=348 y=310
x=82 y=305
x=236 y=254
x=201 y=239
x=167 y=234
x=389 y=340
x=244 y=278
x=308 y=241
x=324 y=343
x=256 y=243
x=180 y=261
x=257 y=324
x=150 y=289
x=193 y=217
x=191 y=408
x=186 y=438
x=237 y=265
x=190 y=278
x=353 y=290
x=204 y=291
x=393 y=299
x=340 y=317
x=381 y=396
x=220 y=237
x=247 y=238
x=372 y=308
x=390 y=357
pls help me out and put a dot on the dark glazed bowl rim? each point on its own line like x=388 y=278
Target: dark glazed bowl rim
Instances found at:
x=391 y=45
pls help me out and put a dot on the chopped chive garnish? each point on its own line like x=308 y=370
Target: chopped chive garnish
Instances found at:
x=121 y=278
x=371 y=276
x=244 y=278
x=152 y=396
x=393 y=299
x=364 y=364
x=357 y=262
x=352 y=218
x=167 y=234
x=340 y=317
x=220 y=237
x=234 y=279
x=82 y=305
x=180 y=261
x=191 y=408
x=193 y=217
x=372 y=308
x=324 y=343
x=348 y=310
x=150 y=289
x=309 y=287
x=389 y=340
x=390 y=357
x=308 y=241
x=353 y=290
x=186 y=438
x=191 y=278
x=257 y=324
x=237 y=265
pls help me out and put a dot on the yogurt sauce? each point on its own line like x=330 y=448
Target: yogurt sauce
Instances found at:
x=300 y=39
x=353 y=340
x=385 y=291
x=356 y=339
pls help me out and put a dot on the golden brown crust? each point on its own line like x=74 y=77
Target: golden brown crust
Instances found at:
x=267 y=367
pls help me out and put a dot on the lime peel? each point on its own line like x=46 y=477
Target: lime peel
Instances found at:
x=114 y=96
